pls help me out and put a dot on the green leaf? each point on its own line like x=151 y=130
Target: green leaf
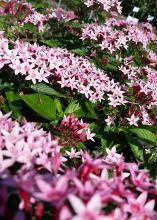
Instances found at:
x=137 y=152
x=5 y=85
x=30 y=27
x=58 y=105
x=151 y=128
x=72 y=107
x=52 y=43
x=81 y=146
x=93 y=126
x=77 y=24
x=153 y=156
x=41 y=104
x=104 y=142
x=43 y=88
x=90 y=107
x=81 y=52
x=80 y=113
x=144 y=134
x=14 y=104
x=135 y=147
x=103 y=145
x=5 y=108
x=12 y=96
x=111 y=67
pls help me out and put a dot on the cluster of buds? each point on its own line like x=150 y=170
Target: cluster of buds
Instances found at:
x=73 y=131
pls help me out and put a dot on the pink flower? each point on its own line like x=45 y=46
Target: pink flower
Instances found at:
x=55 y=195
x=65 y=213
x=90 y=135
x=113 y=157
x=116 y=215
x=73 y=153
x=86 y=189
x=89 y=211
x=140 y=179
x=133 y=120
x=138 y=208
x=109 y=120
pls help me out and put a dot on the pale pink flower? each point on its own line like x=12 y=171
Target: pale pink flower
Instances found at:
x=56 y=194
x=5 y=163
x=113 y=157
x=90 y=135
x=73 y=153
x=26 y=144
x=109 y=120
x=138 y=208
x=65 y=213
x=133 y=120
x=89 y=211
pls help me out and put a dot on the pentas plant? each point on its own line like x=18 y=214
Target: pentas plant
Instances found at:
x=39 y=63
x=23 y=14
x=38 y=19
x=111 y=84
x=25 y=144
x=47 y=186
x=81 y=84
x=32 y=145
x=116 y=35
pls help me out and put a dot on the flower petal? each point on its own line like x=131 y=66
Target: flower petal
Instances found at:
x=95 y=203
x=142 y=198
x=77 y=204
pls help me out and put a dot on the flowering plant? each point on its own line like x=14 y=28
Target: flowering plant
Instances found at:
x=34 y=171
x=78 y=101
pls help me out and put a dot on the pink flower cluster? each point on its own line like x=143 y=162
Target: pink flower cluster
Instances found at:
x=39 y=19
x=143 y=35
x=25 y=144
x=73 y=131
x=103 y=188
x=36 y=19
x=108 y=38
x=106 y=5
x=117 y=34
x=145 y=90
x=40 y=63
